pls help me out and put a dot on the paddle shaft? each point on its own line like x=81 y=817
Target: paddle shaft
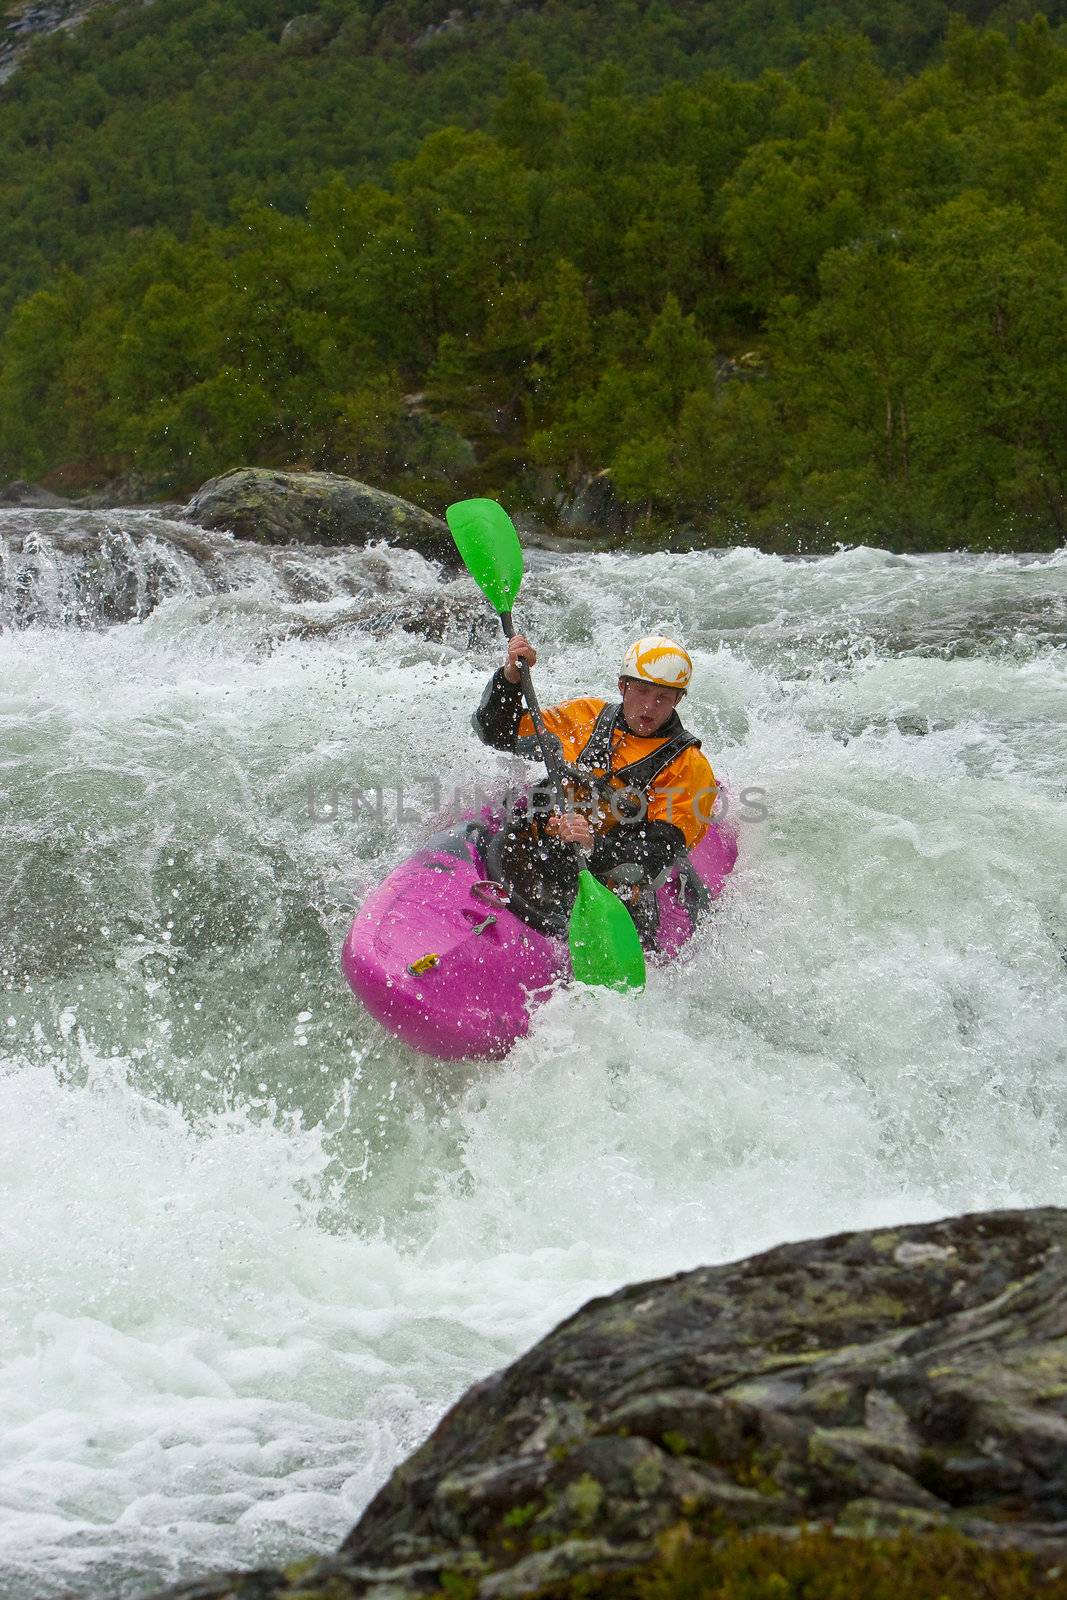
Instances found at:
x=604 y=943
x=549 y=756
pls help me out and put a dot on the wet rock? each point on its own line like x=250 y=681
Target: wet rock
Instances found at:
x=590 y=515
x=306 y=34
x=535 y=536
x=456 y=619
x=450 y=27
x=25 y=23
x=594 y=507
x=61 y=568
x=907 y=1379
x=920 y=1370
x=315 y=508
x=571 y=1559
x=20 y=493
x=130 y=489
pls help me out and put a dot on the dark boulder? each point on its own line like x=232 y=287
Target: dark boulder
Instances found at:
x=592 y=506
x=314 y=508
x=129 y=489
x=22 y=24
x=306 y=34
x=912 y=1376
x=901 y=1385
x=20 y=493
x=451 y=28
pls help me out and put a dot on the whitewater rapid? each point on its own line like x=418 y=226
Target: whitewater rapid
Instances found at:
x=251 y=1247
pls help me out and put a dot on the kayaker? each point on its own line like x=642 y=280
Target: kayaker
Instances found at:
x=641 y=793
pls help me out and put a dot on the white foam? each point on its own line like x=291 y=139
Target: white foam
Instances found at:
x=251 y=1247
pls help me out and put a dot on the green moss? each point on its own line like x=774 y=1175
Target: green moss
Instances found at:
x=299 y=1582
x=831 y=1398
x=584 y=1498
x=784 y=1359
x=751 y=1467
x=819 y=1565
x=756 y=1471
x=456 y=1587
x=1046 y=1369
x=648 y=1475
x=519 y=1516
x=300 y=1569
x=847 y=1306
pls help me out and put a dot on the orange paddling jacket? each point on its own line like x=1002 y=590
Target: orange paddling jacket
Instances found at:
x=655 y=795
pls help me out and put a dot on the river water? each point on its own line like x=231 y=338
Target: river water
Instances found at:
x=251 y=1247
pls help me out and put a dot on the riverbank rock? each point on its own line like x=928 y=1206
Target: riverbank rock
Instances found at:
x=73 y=568
x=592 y=507
x=305 y=35
x=78 y=568
x=899 y=1395
x=32 y=495
x=22 y=24
x=315 y=508
x=129 y=489
x=591 y=515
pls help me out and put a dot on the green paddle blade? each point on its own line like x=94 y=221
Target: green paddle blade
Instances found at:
x=605 y=947
x=486 y=539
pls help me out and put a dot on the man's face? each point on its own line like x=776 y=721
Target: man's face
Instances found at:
x=647 y=706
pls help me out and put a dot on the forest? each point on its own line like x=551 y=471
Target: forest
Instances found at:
x=765 y=275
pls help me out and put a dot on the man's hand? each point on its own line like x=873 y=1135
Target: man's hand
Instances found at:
x=572 y=828
x=519 y=649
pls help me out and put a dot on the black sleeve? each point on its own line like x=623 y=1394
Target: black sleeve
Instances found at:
x=650 y=845
x=499 y=712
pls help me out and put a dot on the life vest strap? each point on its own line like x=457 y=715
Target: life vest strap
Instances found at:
x=597 y=752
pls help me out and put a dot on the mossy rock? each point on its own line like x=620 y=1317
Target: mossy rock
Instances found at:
x=821 y=1565
x=876 y=1415
x=272 y=508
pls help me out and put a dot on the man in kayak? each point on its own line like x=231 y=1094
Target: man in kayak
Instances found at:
x=641 y=791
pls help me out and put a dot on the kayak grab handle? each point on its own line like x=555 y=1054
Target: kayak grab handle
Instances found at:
x=491 y=893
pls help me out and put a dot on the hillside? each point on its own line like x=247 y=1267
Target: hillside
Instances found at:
x=815 y=301
x=156 y=113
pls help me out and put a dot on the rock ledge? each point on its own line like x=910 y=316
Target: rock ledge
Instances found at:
x=907 y=1385
x=314 y=508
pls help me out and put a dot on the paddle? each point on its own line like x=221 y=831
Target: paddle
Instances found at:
x=604 y=943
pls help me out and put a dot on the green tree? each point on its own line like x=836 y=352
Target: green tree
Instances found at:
x=731 y=448
x=993 y=437
x=679 y=358
x=566 y=334
x=980 y=60
x=35 y=427
x=526 y=119
x=847 y=372
x=779 y=220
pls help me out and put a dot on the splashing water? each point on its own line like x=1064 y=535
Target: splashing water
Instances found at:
x=251 y=1246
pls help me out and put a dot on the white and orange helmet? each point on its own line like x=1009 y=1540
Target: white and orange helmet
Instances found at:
x=658 y=660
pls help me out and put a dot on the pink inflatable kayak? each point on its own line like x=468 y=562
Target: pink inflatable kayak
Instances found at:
x=436 y=955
